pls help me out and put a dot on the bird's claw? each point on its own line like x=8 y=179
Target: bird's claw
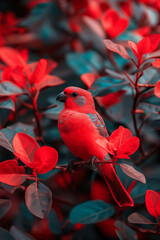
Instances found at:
x=71 y=167
x=91 y=162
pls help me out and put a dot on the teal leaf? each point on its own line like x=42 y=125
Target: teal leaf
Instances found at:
x=5 y=235
x=84 y=62
x=138 y=193
x=91 y=212
x=8 y=89
x=54 y=223
x=8 y=104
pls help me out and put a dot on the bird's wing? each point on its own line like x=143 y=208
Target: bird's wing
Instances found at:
x=99 y=123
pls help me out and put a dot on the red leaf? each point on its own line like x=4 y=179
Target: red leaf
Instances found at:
x=131 y=146
x=78 y=5
x=152 y=203
x=143 y=46
x=148 y=44
x=127 y=7
x=120 y=137
x=100 y=191
x=14 y=75
x=93 y=9
x=116 y=48
x=11 y=173
x=74 y=24
x=157 y=89
x=122 y=143
x=39 y=72
x=45 y=159
x=25 y=148
x=143 y=31
x=49 y=81
x=110 y=99
x=156 y=63
x=133 y=45
x=89 y=78
x=158 y=208
x=121 y=155
x=132 y=172
x=113 y=23
x=51 y=65
x=11 y=57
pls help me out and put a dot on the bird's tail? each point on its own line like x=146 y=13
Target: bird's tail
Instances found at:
x=119 y=193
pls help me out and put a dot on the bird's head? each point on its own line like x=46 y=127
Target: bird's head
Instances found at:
x=77 y=99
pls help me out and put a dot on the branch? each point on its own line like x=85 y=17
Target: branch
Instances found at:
x=132 y=82
x=81 y=164
x=49 y=107
x=152 y=152
x=151 y=85
x=137 y=130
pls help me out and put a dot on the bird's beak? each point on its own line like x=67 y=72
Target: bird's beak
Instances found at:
x=61 y=97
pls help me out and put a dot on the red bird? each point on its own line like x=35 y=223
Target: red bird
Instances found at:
x=84 y=133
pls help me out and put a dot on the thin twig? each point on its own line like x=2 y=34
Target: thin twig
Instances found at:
x=152 y=152
x=132 y=82
x=27 y=105
x=151 y=85
x=39 y=129
x=46 y=108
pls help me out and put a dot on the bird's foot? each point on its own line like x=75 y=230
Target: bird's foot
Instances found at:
x=72 y=166
x=91 y=162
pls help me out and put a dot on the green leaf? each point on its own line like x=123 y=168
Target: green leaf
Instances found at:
x=149 y=107
x=6 y=138
x=19 y=234
x=107 y=85
x=8 y=104
x=5 y=235
x=138 y=193
x=124 y=232
x=8 y=89
x=5 y=205
x=139 y=219
x=23 y=127
x=38 y=199
x=54 y=223
x=84 y=62
x=91 y=212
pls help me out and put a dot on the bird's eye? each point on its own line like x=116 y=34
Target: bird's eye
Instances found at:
x=74 y=94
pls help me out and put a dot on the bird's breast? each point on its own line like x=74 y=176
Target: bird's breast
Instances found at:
x=76 y=132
